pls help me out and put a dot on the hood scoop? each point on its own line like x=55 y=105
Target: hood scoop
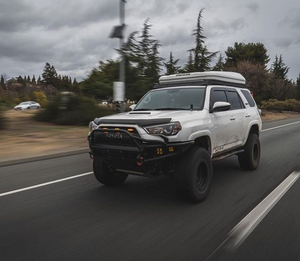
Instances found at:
x=139 y=112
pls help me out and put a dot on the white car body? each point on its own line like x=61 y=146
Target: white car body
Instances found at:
x=27 y=105
x=177 y=129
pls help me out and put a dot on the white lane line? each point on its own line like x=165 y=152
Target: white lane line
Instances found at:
x=43 y=184
x=243 y=229
x=281 y=126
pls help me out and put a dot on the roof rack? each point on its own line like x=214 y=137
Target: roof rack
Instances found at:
x=202 y=78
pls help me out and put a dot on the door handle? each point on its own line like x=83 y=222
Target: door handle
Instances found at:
x=247 y=115
x=232 y=118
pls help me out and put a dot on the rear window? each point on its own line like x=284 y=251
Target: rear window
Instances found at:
x=248 y=98
x=234 y=100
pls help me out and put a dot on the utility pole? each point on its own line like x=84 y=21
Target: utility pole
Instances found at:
x=118 y=32
x=122 y=63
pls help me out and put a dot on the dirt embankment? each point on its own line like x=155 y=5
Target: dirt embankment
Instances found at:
x=25 y=138
x=271 y=116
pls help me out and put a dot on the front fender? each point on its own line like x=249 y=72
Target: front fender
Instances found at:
x=202 y=133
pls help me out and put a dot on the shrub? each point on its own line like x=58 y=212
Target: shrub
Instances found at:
x=287 y=105
x=50 y=113
x=75 y=110
x=39 y=97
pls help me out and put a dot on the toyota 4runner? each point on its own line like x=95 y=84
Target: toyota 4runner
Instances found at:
x=178 y=129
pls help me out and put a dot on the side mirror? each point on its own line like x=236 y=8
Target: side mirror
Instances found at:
x=132 y=106
x=259 y=111
x=221 y=106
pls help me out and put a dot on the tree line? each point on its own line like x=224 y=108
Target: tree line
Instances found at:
x=144 y=65
x=42 y=89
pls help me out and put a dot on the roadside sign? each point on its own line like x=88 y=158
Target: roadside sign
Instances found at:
x=119 y=91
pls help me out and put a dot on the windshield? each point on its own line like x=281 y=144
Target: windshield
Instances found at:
x=173 y=99
x=24 y=103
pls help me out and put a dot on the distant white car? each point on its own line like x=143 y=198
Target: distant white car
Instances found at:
x=27 y=105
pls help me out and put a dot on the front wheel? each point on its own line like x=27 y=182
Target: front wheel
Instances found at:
x=250 y=158
x=106 y=175
x=194 y=174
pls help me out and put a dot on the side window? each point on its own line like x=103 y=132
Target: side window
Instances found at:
x=235 y=100
x=248 y=98
x=217 y=95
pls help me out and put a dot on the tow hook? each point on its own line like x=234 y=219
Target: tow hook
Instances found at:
x=139 y=161
x=91 y=155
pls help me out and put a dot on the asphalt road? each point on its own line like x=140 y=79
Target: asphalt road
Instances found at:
x=144 y=219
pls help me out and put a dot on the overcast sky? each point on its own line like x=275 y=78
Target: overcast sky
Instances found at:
x=73 y=35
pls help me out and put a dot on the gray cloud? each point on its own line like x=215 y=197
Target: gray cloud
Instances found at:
x=253 y=7
x=17 y=15
x=219 y=28
x=295 y=20
x=73 y=35
x=157 y=8
x=284 y=42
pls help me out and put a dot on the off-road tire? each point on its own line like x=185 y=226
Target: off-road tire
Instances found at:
x=250 y=158
x=194 y=174
x=106 y=175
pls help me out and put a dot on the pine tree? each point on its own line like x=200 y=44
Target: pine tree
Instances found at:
x=75 y=86
x=33 y=81
x=155 y=63
x=131 y=49
x=39 y=81
x=202 y=57
x=279 y=68
x=50 y=75
x=142 y=57
x=189 y=67
x=255 y=53
x=219 y=66
x=171 y=65
x=2 y=81
x=20 y=79
x=145 y=46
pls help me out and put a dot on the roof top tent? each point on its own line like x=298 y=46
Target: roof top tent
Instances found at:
x=202 y=78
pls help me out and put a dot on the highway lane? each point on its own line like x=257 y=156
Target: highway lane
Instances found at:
x=143 y=219
x=278 y=236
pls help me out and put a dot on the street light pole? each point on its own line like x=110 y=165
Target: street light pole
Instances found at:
x=122 y=62
x=118 y=32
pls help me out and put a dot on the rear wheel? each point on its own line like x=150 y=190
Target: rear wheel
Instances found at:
x=250 y=158
x=106 y=175
x=194 y=174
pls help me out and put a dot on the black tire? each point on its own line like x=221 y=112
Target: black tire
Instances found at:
x=194 y=174
x=106 y=175
x=250 y=158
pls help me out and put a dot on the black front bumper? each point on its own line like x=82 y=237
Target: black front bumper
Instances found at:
x=125 y=151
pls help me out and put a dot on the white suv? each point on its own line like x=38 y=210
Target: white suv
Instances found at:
x=178 y=129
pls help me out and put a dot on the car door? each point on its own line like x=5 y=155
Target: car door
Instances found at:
x=33 y=105
x=223 y=122
x=238 y=116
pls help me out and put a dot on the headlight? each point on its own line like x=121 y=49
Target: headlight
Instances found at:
x=92 y=126
x=166 y=129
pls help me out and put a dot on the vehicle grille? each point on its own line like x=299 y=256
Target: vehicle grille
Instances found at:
x=112 y=136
